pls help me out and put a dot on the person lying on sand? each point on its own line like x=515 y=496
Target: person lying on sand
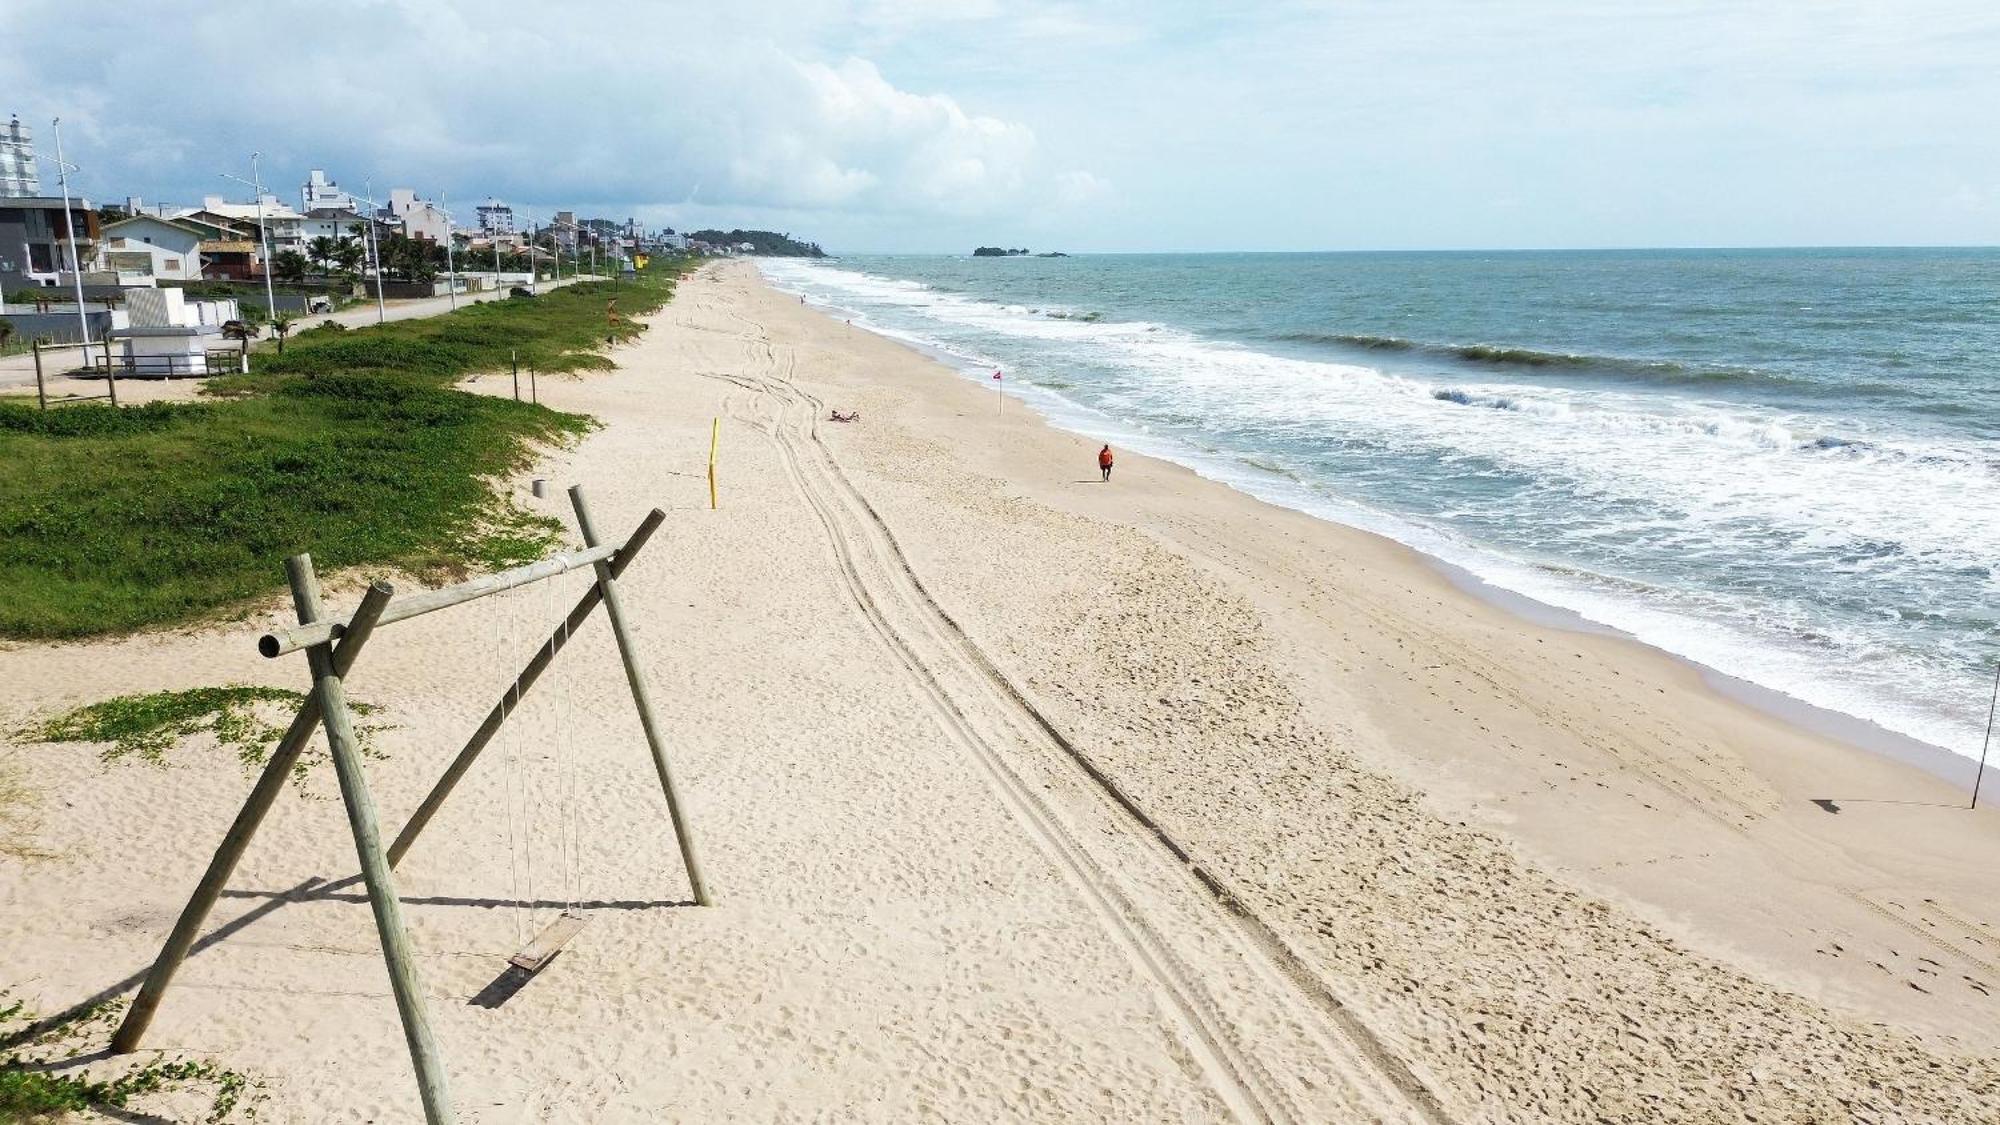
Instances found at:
x=850 y=416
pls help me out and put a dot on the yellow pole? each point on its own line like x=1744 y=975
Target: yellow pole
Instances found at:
x=714 y=435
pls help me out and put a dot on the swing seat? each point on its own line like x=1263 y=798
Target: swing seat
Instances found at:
x=548 y=943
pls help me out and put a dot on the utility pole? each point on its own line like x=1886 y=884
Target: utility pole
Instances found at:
x=450 y=270
x=534 y=271
x=256 y=182
x=367 y=195
x=63 y=168
x=493 y=239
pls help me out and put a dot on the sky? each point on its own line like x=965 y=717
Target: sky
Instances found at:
x=938 y=125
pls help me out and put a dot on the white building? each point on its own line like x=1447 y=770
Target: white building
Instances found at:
x=282 y=225
x=322 y=194
x=332 y=222
x=18 y=177
x=163 y=333
x=419 y=218
x=496 y=218
x=143 y=250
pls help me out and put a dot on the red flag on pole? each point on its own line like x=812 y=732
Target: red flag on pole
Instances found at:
x=996 y=373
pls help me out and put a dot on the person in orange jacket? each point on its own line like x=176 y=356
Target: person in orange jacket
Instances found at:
x=1104 y=461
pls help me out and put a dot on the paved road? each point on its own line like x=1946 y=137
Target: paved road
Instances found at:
x=19 y=370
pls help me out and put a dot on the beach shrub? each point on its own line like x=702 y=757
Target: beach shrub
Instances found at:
x=239 y=716
x=30 y=1092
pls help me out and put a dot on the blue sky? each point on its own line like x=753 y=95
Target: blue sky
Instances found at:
x=910 y=126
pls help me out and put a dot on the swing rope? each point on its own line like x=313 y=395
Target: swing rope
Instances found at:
x=528 y=792
x=503 y=642
x=569 y=836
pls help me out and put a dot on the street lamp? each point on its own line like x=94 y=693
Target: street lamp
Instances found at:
x=256 y=182
x=450 y=270
x=375 y=248
x=534 y=272
x=63 y=169
x=575 y=265
x=493 y=239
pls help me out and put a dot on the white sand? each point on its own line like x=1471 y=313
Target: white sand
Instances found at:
x=1025 y=799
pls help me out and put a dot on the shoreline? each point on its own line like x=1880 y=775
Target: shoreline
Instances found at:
x=1851 y=730
x=1824 y=718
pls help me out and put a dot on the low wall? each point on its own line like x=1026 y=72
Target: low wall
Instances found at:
x=56 y=328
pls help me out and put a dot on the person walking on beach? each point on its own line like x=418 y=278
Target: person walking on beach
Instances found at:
x=1104 y=461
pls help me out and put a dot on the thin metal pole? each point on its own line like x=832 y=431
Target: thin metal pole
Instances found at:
x=388 y=910
x=514 y=357
x=1988 y=741
x=635 y=676
x=450 y=270
x=534 y=387
x=368 y=191
x=256 y=182
x=277 y=770
x=510 y=700
x=69 y=224
x=41 y=389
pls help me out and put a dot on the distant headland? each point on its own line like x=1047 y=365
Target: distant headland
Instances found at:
x=765 y=242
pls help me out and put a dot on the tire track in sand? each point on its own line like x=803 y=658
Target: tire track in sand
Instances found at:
x=1234 y=989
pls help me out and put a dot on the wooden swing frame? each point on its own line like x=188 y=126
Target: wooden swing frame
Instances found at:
x=331 y=647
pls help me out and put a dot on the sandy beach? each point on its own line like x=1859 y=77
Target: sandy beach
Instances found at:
x=1023 y=797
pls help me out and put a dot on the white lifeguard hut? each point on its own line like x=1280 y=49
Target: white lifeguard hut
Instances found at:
x=165 y=335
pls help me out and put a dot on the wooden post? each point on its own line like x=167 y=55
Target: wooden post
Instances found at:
x=41 y=391
x=388 y=910
x=510 y=700
x=636 y=678
x=534 y=391
x=277 y=770
x=110 y=376
x=514 y=357
x=714 y=436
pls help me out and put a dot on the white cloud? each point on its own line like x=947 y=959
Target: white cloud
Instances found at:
x=597 y=106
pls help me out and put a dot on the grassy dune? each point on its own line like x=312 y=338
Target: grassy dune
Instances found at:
x=353 y=445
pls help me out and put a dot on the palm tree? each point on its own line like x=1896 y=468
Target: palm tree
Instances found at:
x=323 y=251
x=280 y=326
x=241 y=331
x=349 y=254
x=394 y=255
x=289 y=265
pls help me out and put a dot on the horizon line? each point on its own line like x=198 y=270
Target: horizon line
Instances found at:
x=1460 y=249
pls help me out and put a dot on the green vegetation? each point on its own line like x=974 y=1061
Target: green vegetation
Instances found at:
x=761 y=242
x=31 y=1092
x=147 y=726
x=354 y=446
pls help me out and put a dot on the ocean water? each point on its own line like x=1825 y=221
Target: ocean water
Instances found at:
x=1784 y=464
